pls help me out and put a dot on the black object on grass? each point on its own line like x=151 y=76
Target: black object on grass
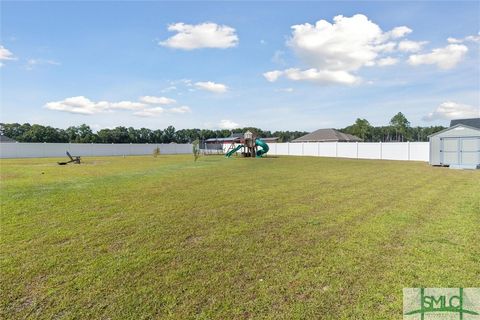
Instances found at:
x=72 y=159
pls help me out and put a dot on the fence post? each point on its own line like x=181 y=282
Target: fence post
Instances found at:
x=357 y=148
x=318 y=149
x=303 y=148
x=408 y=146
x=381 y=151
x=288 y=148
x=336 y=149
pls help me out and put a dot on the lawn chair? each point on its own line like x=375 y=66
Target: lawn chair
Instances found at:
x=72 y=159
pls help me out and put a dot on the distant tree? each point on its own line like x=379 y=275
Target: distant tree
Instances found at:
x=169 y=134
x=145 y=135
x=361 y=128
x=133 y=135
x=400 y=123
x=195 y=150
x=156 y=152
x=105 y=136
x=399 y=130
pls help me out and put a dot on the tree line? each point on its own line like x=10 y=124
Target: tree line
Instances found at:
x=399 y=129
x=84 y=134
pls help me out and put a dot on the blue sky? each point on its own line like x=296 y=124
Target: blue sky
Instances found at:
x=226 y=64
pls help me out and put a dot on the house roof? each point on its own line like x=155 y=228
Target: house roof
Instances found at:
x=472 y=122
x=6 y=139
x=326 y=135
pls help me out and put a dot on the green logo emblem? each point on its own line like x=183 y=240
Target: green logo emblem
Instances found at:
x=441 y=303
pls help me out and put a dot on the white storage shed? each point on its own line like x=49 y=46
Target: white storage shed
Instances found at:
x=457 y=146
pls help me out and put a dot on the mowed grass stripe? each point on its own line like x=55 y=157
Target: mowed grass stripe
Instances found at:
x=285 y=237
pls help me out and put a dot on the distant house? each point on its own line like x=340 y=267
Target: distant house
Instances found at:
x=328 y=135
x=5 y=139
x=472 y=122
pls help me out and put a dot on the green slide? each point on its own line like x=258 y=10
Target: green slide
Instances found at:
x=264 y=149
x=231 y=152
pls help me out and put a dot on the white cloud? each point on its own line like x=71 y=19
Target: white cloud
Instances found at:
x=313 y=75
x=411 y=46
x=399 y=32
x=334 y=52
x=150 y=112
x=228 y=124
x=5 y=54
x=285 y=90
x=126 y=105
x=170 y=88
x=79 y=105
x=321 y=76
x=272 y=76
x=204 y=35
x=83 y=105
x=347 y=44
x=388 y=61
x=157 y=100
x=211 y=86
x=473 y=38
x=182 y=109
x=454 y=40
x=445 y=58
x=31 y=63
x=451 y=110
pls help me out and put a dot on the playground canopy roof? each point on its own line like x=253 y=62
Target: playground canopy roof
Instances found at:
x=328 y=135
x=236 y=138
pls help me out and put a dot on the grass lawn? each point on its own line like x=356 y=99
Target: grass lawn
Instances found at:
x=273 y=238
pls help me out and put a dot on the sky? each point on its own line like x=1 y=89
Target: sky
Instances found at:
x=221 y=65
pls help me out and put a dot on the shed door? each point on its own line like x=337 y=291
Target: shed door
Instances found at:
x=450 y=151
x=470 y=151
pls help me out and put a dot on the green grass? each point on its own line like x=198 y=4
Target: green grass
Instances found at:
x=274 y=238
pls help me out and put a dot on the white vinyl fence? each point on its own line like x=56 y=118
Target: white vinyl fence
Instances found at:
x=44 y=150
x=415 y=151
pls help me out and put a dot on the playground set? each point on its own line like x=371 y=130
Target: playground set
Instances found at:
x=249 y=146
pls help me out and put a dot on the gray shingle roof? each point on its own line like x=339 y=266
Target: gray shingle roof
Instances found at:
x=6 y=139
x=327 y=135
x=473 y=122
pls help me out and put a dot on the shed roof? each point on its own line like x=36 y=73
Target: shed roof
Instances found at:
x=325 y=135
x=472 y=122
x=455 y=126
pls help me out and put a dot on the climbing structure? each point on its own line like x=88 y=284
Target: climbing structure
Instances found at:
x=249 y=146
